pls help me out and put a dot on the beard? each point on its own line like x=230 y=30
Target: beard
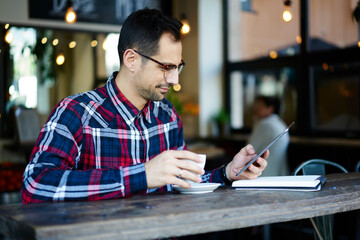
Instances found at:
x=150 y=92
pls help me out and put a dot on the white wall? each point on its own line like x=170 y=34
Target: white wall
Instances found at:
x=210 y=62
x=16 y=12
x=83 y=66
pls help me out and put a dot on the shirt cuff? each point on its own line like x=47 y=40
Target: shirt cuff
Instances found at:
x=134 y=177
x=223 y=175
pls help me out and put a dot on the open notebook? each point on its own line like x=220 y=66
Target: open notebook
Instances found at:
x=289 y=183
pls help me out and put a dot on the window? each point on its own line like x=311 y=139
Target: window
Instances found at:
x=246 y=85
x=258 y=30
x=310 y=63
x=112 y=61
x=336 y=97
x=23 y=89
x=331 y=25
x=35 y=78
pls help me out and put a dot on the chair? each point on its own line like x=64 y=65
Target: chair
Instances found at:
x=28 y=127
x=323 y=225
x=357 y=167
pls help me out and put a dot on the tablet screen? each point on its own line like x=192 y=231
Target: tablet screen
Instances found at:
x=266 y=148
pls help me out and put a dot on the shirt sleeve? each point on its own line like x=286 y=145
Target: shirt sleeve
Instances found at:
x=52 y=173
x=212 y=176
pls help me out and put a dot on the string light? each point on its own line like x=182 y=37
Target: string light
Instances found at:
x=44 y=40
x=60 y=59
x=94 y=43
x=287 y=15
x=8 y=37
x=177 y=87
x=55 y=42
x=72 y=44
x=7 y=26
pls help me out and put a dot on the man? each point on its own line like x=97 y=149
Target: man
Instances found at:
x=124 y=138
x=267 y=126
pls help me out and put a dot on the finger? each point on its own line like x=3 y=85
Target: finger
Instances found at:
x=180 y=174
x=250 y=149
x=184 y=154
x=190 y=176
x=180 y=182
x=266 y=154
x=255 y=170
x=188 y=165
x=260 y=163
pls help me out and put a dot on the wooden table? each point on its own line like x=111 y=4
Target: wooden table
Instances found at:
x=171 y=214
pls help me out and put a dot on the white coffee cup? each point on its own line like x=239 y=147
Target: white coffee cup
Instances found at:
x=202 y=165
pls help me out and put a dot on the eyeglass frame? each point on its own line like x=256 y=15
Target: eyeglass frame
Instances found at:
x=164 y=66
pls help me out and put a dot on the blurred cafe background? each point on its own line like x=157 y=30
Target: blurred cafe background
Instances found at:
x=308 y=57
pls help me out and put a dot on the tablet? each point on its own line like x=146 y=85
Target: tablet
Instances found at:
x=266 y=148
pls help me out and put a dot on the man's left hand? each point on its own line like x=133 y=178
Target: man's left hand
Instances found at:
x=239 y=161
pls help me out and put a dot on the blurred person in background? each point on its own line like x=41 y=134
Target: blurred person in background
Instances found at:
x=268 y=125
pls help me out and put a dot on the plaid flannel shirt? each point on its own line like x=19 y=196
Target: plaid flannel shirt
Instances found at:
x=94 y=146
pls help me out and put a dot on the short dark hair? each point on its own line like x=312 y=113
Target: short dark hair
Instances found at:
x=270 y=102
x=142 y=30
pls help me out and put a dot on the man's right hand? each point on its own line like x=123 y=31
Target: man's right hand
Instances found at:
x=167 y=167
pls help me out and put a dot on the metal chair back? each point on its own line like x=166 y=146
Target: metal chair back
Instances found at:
x=323 y=225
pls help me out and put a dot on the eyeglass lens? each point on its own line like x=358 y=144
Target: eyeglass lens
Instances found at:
x=170 y=72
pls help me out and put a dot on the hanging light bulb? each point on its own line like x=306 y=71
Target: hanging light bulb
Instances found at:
x=70 y=16
x=186 y=26
x=287 y=15
x=273 y=54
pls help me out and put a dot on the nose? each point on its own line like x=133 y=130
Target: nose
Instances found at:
x=173 y=77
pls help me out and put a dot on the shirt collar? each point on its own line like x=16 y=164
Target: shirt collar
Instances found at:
x=126 y=109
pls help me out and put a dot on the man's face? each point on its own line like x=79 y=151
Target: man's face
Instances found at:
x=261 y=110
x=150 y=81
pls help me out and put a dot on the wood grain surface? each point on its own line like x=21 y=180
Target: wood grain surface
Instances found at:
x=173 y=214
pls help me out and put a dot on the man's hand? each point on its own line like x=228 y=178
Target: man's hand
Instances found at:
x=239 y=161
x=167 y=167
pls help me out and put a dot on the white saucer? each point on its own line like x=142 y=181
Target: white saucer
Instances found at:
x=197 y=188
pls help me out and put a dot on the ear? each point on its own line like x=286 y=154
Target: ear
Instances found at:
x=271 y=109
x=129 y=59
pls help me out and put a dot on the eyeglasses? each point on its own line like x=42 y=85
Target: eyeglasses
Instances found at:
x=169 y=70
